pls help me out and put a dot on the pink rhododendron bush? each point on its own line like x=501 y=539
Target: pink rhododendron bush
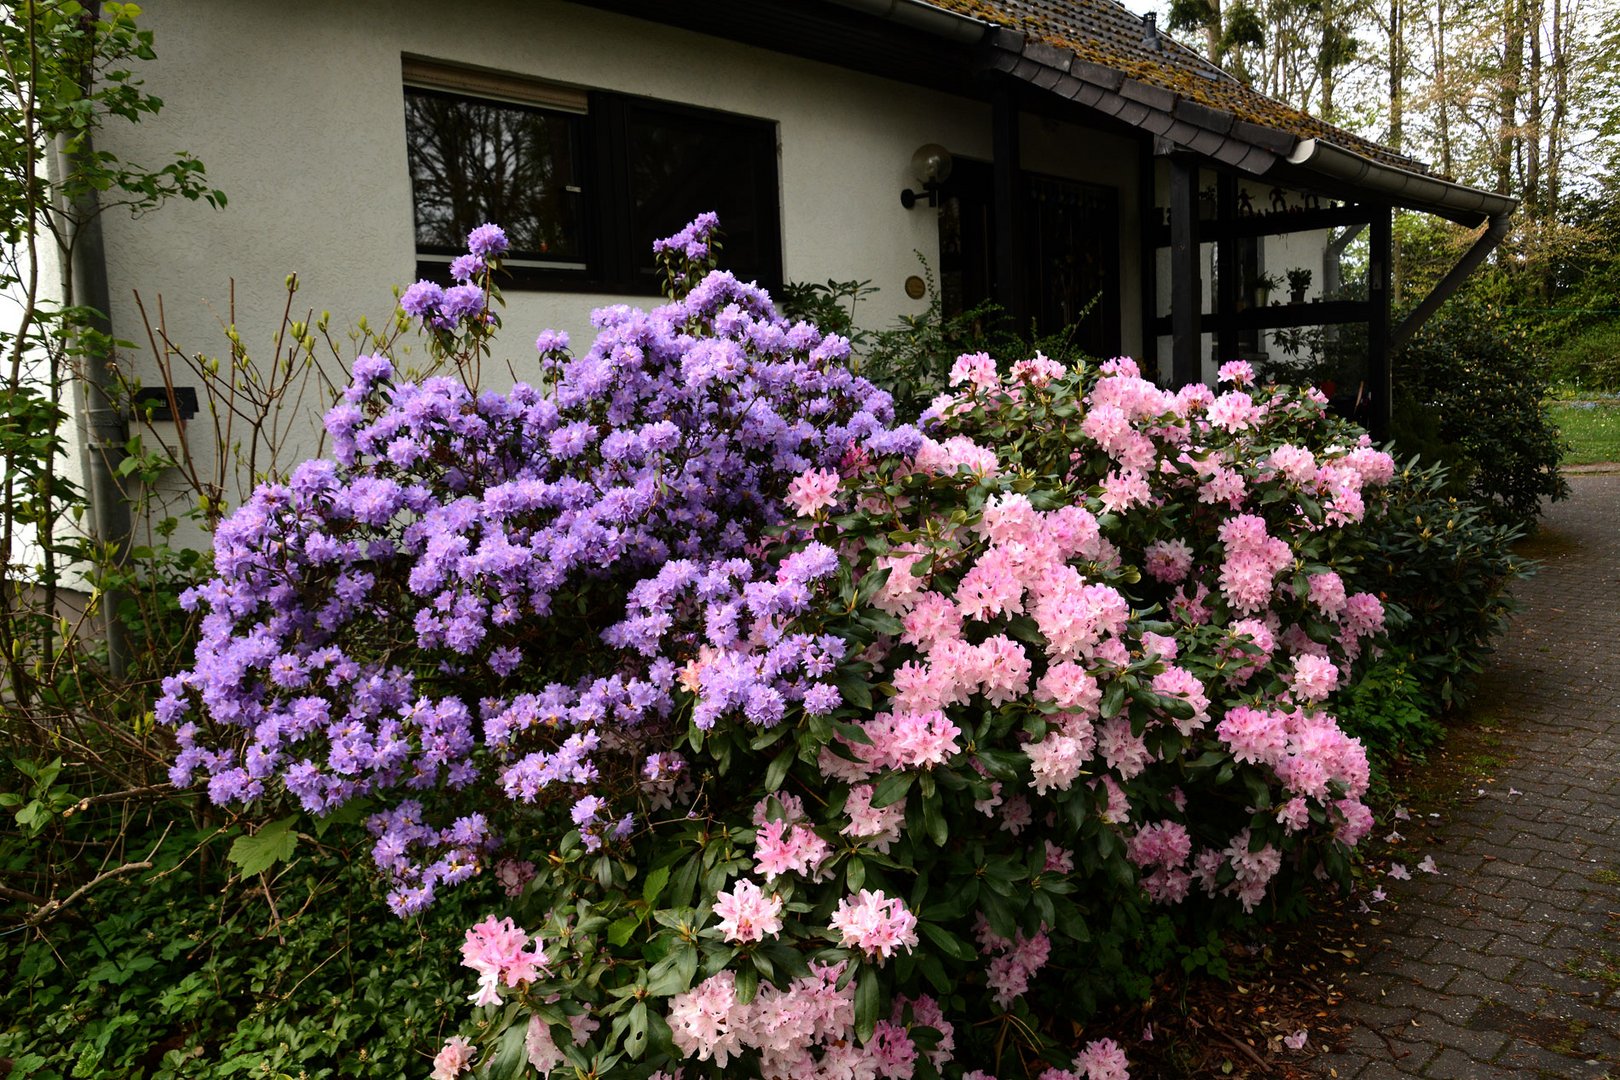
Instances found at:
x=805 y=743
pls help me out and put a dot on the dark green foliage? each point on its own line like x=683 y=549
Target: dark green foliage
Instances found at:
x=1590 y=360
x=1476 y=388
x=1443 y=568
x=187 y=971
x=1390 y=709
x=912 y=359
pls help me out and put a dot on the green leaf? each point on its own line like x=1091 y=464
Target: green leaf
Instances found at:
x=619 y=931
x=1002 y=764
x=350 y=813
x=866 y=1005
x=947 y=942
x=510 y=1059
x=747 y=984
x=856 y=690
x=955 y=903
x=777 y=771
x=1113 y=700
x=934 y=822
x=635 y=1040
x=273 y=843
x=892 y=788
x=656 y=880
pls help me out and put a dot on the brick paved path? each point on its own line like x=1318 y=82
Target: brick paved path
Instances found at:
x=1507 y=963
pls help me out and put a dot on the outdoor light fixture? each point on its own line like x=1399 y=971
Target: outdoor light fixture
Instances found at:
x=931 y=165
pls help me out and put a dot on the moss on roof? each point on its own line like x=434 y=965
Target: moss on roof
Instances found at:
x=1105 y=33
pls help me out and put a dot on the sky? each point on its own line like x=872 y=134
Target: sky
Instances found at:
x=1141 y=7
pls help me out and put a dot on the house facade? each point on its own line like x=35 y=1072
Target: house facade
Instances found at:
x=313 y=138
x=1097 y=170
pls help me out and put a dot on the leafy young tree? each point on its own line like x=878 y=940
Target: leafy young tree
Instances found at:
x=71 y=728
x=67 y=71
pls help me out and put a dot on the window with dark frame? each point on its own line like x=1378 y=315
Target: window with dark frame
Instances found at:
x=583 y=181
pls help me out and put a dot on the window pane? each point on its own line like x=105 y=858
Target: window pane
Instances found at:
x=683 y=163
x=482 y=161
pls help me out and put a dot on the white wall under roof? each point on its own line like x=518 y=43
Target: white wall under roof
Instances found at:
x=296 y=109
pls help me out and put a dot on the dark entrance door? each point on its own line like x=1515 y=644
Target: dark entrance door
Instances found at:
x=1069 y=246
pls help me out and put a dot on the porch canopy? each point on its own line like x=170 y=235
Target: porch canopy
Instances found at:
x=1094 y=63
x=1101 y=57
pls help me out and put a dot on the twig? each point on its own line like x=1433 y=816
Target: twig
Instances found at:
x=25 y=897
x=275 y=915
x=1394 y=1054
x=1246 y=1048
x=49 y=909
x=115 y=796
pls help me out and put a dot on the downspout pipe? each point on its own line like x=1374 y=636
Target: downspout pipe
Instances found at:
x=105 y=427
x=1487 y=242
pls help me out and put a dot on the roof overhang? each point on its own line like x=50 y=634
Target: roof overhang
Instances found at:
x=1213 y=133
x=1402 y=187
x=1222 y=137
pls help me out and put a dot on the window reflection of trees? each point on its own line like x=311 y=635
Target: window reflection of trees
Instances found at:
x=473 y=162
x=683 y=166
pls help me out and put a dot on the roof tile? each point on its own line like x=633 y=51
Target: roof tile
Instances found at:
x=1110 y=44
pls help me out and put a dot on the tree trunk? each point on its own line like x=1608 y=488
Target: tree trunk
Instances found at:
x=1442 y=83
x=1534 y=206
x=1397 y=75
x=1507 y=94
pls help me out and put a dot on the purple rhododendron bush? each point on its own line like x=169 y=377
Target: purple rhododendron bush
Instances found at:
x=805 y=742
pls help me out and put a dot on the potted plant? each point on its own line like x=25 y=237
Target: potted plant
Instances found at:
x=1299 y=279
x=1264 y=285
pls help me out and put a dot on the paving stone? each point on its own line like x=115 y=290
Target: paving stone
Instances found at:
x=1452 y=1064
x=1486 y=970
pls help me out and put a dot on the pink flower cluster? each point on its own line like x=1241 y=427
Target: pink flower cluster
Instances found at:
x=454 y=1058
x=747 y=913
x=1162 y=849
x=875 y=826
x=812 y=491
x=802 y=1032
x=876 y=924
x=903 y=740
x=502 y=954
x=1013 y=963
x=1102 y=1059
x=1253 y=561
x=782 y=847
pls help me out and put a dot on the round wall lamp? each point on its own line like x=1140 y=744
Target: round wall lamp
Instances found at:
x=931 y=165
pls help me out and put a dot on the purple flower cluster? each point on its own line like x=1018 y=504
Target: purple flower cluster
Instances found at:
x=459 y=852
x=426 y=610
x=439 y=308
x=693 y=242
x=746 y=666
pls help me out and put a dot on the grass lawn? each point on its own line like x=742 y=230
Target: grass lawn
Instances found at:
x=1592 y=429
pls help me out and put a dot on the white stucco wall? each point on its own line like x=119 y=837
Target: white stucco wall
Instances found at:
x=297 y=111
x=304 y=130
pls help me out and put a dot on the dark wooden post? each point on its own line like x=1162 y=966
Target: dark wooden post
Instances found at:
x=1147 y=201
x=1185 y=303
x=1226 y=273
x=1379 y=384
x=1010 y=285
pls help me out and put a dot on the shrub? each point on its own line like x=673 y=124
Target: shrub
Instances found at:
x=1476 y=375
x=1444 y=567
x=857 y=782
x=200 y=975
x=1591 y=359
x=912 y=359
